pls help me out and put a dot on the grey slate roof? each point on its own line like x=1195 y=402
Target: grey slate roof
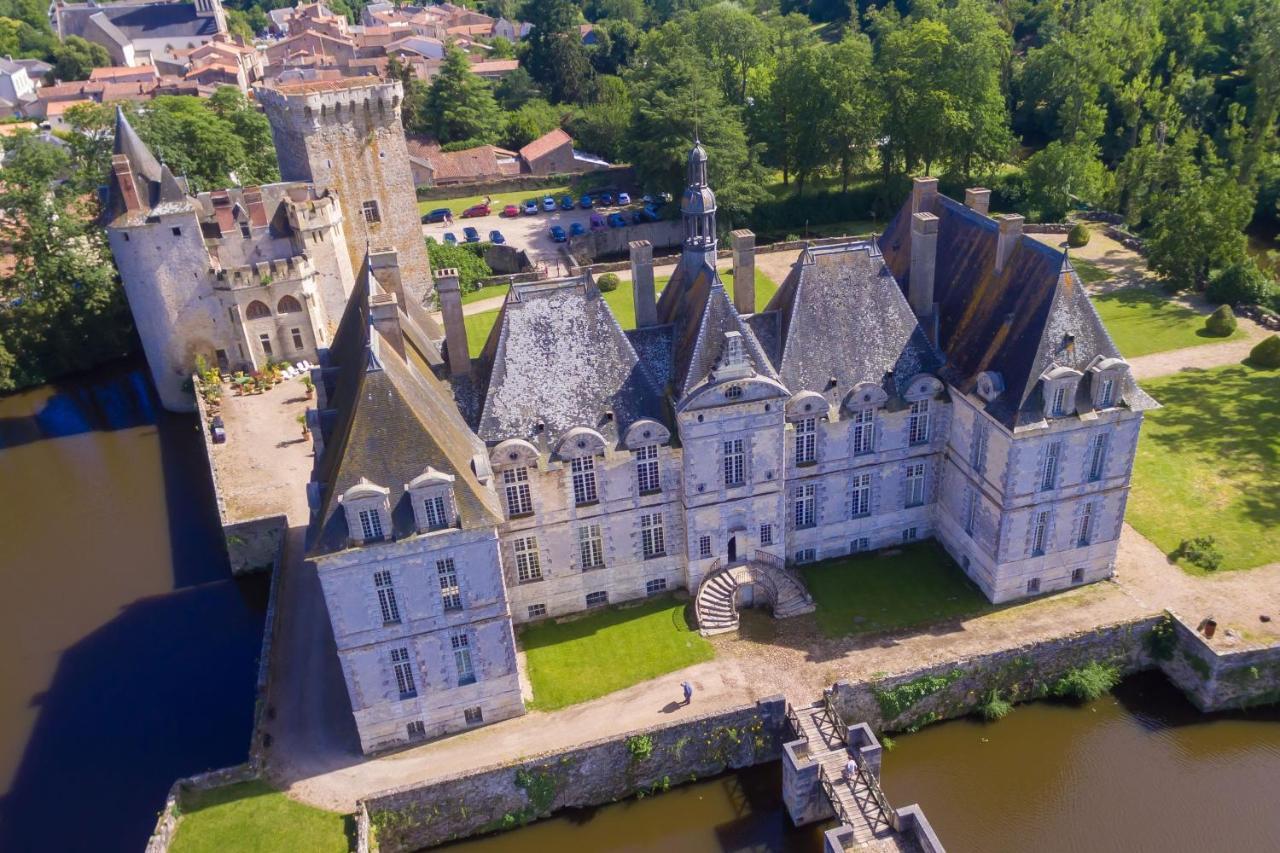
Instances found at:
x=155 y=183
x=557 y=356
x=843 y=316
x=1016 y=322
x=139 y=20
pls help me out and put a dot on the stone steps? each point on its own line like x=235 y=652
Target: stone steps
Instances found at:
x=714 y=604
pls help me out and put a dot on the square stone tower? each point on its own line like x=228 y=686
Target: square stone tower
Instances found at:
x=346 y=136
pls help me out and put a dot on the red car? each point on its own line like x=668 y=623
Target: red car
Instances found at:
x=476 y=210
x=510 y=210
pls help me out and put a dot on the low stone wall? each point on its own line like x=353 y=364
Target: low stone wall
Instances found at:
x=167 y=825
x=1047 y=228
x=1218 y=681
x=613 y=241
x=639 y=762
x=1264 y=317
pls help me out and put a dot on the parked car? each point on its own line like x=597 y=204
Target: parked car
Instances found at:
x=472 y=235
x=437 y=215
x=597 y=221
x=606 y=199
x=617 y=220
x=585 y=202
x=495 y=236
x=648 y=214
x=636 y=217
x=476 y=210
x=624 y=198
x=451 y=238
x=531 y=207
x=566 y=203
x=511 y=210
x=577 y=229
x=548 y=203
x=557 y=234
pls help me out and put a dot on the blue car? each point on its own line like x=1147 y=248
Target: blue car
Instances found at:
x=496 y=237
x=585 y=202
x=617 y=220
x=471 y=234
x=566 y=203
x=606 y=199
x=531 y=207
x=577 y=229
x=437 y=215
x=557 y=234
x=450 y=238
x=636 y=218
x=648 y=214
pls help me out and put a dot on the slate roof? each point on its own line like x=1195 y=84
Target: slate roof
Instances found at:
x=156 y=185
x=557 y=356
x=389 y=422
x=1017 y=322
x=842 y=316
x=139 y=21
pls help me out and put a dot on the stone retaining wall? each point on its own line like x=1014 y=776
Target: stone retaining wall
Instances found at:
x=1218 y=681
x=167 y=825
x=603 y=771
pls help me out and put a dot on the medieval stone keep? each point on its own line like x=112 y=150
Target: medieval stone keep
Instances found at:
x=948 y=379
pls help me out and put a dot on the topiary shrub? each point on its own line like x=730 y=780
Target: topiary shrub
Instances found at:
x=1242 y=283
x=607 y=282
x=1078 y=236
x=1201 y=551
x=1221 y=322
x=1266 y=353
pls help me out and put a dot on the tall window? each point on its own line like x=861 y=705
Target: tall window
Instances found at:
x=1098 y=457
x=1106 y=394
x=647 y=469
x=1039 y=533
x=766 y=534
x=590 y=547
x=1049 y=476
x=461 y=643
x=516 y=484
x=1060 y=401
x=978 y=452
x=297 y=338
x=806 y=441
x=370 y=524
x=918 y=423
x=735 y=462
x=450 y=594
x=915 y=484
x=436 y=516
x=653 y=538
x=265 y=340
x=528 y=566
x=370 y=211
x=704 y=547
x=864 y=430
x=861 y=505
x=386 y=597
x=805 y=498
x=584 y=480
x=971 y=512
x=1086 y=526
x=404 y=673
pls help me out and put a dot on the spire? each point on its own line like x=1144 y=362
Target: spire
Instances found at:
x=698 y=207
x=129 y=144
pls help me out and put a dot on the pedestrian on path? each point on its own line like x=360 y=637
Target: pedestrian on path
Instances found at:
x=850 y=769
x=688 y=692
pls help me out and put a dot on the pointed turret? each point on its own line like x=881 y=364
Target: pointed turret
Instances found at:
x=138 y=181
x=698 y=206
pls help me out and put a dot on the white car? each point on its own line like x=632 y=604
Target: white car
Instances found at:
x=548 y=203
x=624 y=199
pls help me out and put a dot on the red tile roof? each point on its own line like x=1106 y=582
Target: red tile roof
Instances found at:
x=545 y=144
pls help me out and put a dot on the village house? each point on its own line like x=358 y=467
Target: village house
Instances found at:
x=141 y=33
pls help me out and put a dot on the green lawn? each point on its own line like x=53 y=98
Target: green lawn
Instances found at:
x=608 y=650
x=253 y=817
x=899 y=589
x=1143 y=320
x=621 y=302
x=497 y=202
x=1209 y=464
x=1089 y=272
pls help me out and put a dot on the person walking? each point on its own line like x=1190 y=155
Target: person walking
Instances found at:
x=688 y=692
x=850 y=770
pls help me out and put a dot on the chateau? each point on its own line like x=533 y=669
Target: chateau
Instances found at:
x=949 y=379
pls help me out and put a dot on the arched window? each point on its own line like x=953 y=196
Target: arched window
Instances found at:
x=288 y=305
x=256 y=310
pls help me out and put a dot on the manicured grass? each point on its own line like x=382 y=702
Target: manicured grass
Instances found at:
x=497 y=202
x=253 y=817
x=1143 y=320
x=1089 y=272
x=891 y=589
x=1209 y=463
x=608 y=650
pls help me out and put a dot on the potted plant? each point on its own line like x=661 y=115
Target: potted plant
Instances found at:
x=308 y=384
x=302 y=419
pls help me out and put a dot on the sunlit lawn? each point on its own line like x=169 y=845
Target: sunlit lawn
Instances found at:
x=608 y=650
x=1209 y=464
x=497 y=202
x=885 y=590
x=253 y=817
x=1142 y=320
x=1089 y=272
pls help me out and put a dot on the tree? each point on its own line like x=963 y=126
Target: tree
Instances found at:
x=601 y=127
x=516 y=89
x=1199 y=229
x=210 y=140
x=734 y=41
x=61 y=309
x=461 y=105
x=796 y=108
x=76 y=57
x=855 y=109
x=554 y=53
x=1060 y=175
x=532 y=120
x=413 y=109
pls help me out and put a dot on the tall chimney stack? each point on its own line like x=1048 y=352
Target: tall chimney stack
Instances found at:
x=744 y=271
x=385 y=266
x=642 y=291
x=924 y=262
x=978 y=199
x=923 y=191
x=1010 y=233
x=455 y=326
x=122 y=169
x=384 y=313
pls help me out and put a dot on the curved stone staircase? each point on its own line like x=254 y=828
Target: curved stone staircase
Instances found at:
x=715 y=606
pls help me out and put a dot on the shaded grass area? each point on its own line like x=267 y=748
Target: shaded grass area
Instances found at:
x=1089 y=272
x=604 y=651
x=1208 y=464
x=895 y=588
x=1143 y=320
x=621 y=302
x=253 y=817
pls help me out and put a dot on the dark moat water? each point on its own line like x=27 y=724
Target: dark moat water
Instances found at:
x=1137 y=771
x=127 y=653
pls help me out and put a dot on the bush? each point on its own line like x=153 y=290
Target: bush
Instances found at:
x=1221 y=322
x=467 y=258
x=607 y=282
x=1201 y=551
x=1242 y=283
x=1266 y=353
x=1078 y=236
x=1086 y=683
x=640 y=747
x=994 y=707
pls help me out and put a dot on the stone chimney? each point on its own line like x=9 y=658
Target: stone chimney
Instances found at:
x=123 y=171
x=1010 y=232
x=384 y=313
x=385 y=266
x=257 y=210
x=744 y=271
x=923 y=191
x=455 y=326
x=924 y=262
x=642 y=291
x=978 y=199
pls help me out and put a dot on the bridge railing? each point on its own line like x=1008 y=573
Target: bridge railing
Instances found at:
x=793 y=720
x=834 y=719
x=829 y=788
x=873 y=785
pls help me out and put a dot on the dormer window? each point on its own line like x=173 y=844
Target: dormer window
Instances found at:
x=1106 y=393
x=371 y=524
x=435 y=512
x=433 y=505
x=733 y=392
x=1060 y=401
x=1060 y=384
x=368 y=512
x=733 y=349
